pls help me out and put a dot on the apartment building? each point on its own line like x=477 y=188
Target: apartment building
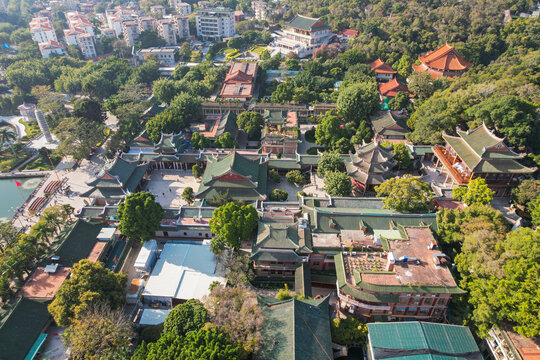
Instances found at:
x=260 y=8
x=215 y=23
x=166 y=29
x=302 y=35
x=146 y=23
x=163 y=55
x=181 y=23
x=181 y=8
x=87 y=45
x=79 y=21
x=71 y=36
x=51 y=47
x=130 y=29
x=42 y=30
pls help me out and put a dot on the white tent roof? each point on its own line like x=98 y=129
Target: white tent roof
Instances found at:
x=153 y=316
x=183 y=271
x=144 y=254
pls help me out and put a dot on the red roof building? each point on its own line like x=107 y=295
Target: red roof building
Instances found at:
x=240 y=81
x=382 y=70
x=391 y=88
x=445 y=61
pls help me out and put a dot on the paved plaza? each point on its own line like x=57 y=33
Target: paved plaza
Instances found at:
x=168 y=186
x=313 y=189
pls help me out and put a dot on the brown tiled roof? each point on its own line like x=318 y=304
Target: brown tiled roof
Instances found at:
x=380 y=67
x=391 y=88
x=237 y=90
x=42 y=285
x=445 y=58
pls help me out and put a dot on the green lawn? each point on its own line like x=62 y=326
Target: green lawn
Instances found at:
x=32 y=129
x=8 y=161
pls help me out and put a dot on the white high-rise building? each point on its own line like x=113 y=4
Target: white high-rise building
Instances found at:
x=130 y=29
x=51 y=47
x=215 y=23
x=42 y=30
x=87 y=45
x=181 y=7
x=260 y=8
x=166 y=29
x=146 y=23
x=181 y=23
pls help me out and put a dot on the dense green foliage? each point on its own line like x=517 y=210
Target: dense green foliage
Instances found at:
x=207 y=343
x=251 y=122
x=232 y=223
x=199 y=141
x=476 y=192
x=90 y=283
x=406 y=194
x=186 y=317
x=330 y=162
x=278 y=195
x=356 y=102
x=140 y=216
x=296 y=177
x=337 y=184
x=226 y=141
x=349 y=331
x=526 y=192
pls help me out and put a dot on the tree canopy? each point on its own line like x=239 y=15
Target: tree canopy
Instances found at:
x=476 y=192
x=232 y=223
x=337 y=184
x=406 y=194
x=356 y=102
x=186 y=317
x=140 y=216
x=251 y=122
x=90 y=283
x=330 y=162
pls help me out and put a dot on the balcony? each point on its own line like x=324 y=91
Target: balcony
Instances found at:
x=360 y=305
x=448 y=160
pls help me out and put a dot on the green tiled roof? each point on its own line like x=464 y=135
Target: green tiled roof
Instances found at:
x=421 y=341
x=76 y=240
x=21 y=327
x=228 y=124
x=385 y=124
x=296 y=329
x=253 y=187
x=307 y=23
x=302 y=280
x=268 y=255
x=121 y=176
x=483 y=152
x=275 y=235
x=169 y=143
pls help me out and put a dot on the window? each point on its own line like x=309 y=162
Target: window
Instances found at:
x=185 y=233
x=442 y=301
x=316 y=263
x=428 y=301
x=400 y=310
x=200 y=234
x=424 y=311
x=412 y=310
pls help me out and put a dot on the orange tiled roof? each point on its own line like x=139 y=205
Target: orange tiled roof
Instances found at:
x=391 y=88
x=445 y=58
x=381 y=67
x=238 y=77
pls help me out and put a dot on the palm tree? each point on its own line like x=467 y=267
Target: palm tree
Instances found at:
x=42 y=230
x=7 y=136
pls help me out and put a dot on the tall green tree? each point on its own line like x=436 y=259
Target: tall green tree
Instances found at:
x=164 y=90
x=226 y=141
x=232 y=224
x=337 y=184
x=251 y=122
x=140 y=216
x=199 y=141
x=406 y=194
x=356 y=102
x=526 y=191
x=89 y=109
x=78 y=136
x=90 y=283
x=330 y=162
x=476 y=192
x=186 y=317
x=8 y=136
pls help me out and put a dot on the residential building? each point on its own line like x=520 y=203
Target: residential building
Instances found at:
x=116 y=181
x=239 y=16
x=182 y=8
x=503 y=343
x=408 y=279
x=181 y=23
x=108 y=32
x=215 y=23
x=50 y=47
x=159 y=10
x=183 y=271
x=166 y=29
x=392 y=88
x=130 y=29
x=295 y=329
x=239 y=84
x=115 y=23
x=146 y=23
x=402 y=339
x=42 y=30
x=280 y=134
x=242 y=178
x=87 y=45
x=79 y=21
x=347 y=34
x=260 y=8
x=383 y=71
x=302 y=35
x=163 y=55
x=389 y=126
x=480 y=153
x=71 y=36
x=445 y=61
x=370 y=166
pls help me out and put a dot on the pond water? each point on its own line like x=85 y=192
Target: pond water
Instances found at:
x=10 y=196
